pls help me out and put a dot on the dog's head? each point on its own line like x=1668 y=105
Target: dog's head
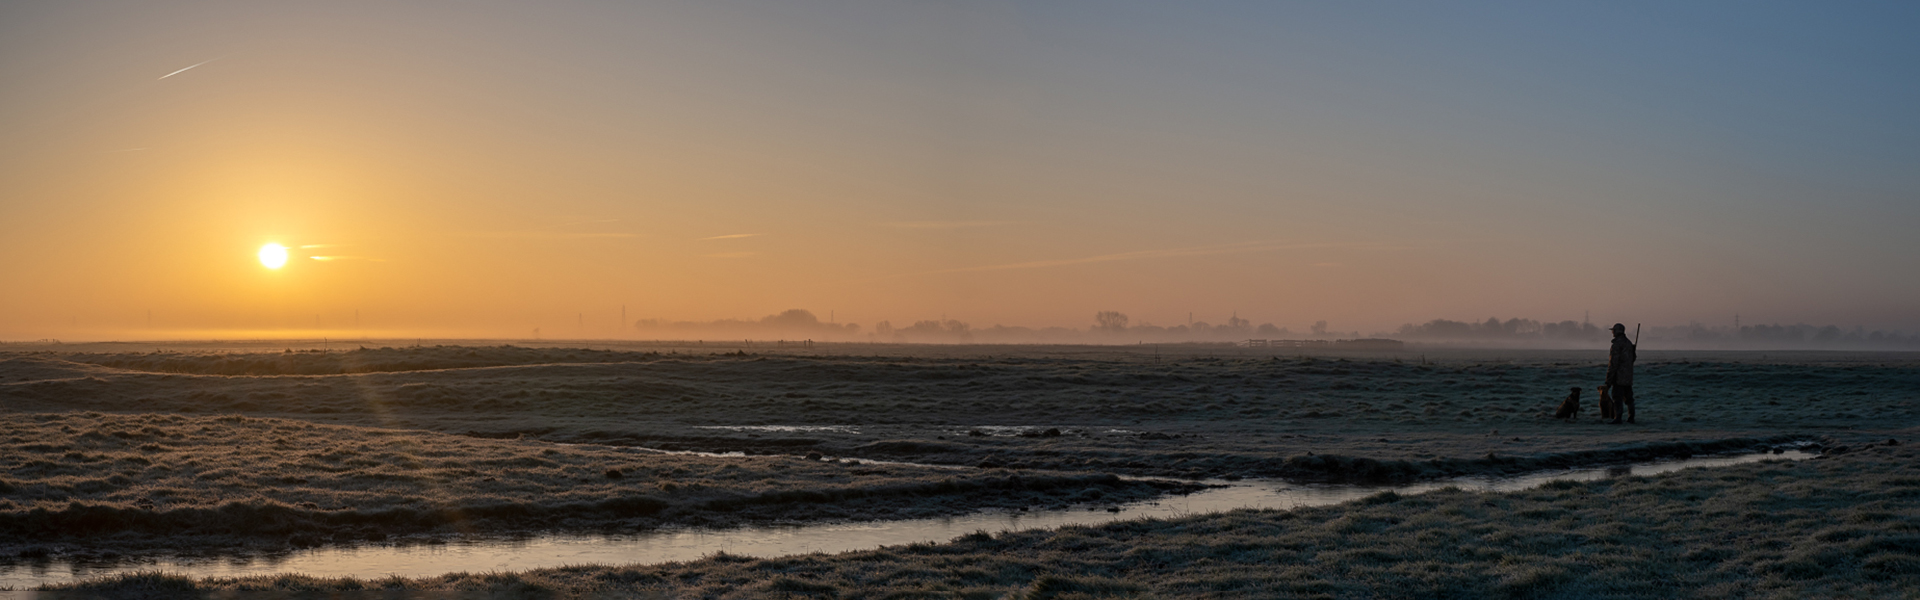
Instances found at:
x=1576 y=391
x=1603 y=389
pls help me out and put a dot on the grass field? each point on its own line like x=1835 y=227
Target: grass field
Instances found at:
x=159 y=451
x=1845 y=525
x=1183 y=416
x=174 y=483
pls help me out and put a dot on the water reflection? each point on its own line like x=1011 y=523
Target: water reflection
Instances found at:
x=495 y=554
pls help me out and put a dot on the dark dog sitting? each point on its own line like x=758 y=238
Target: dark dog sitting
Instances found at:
x=1569 y=408
x=1608 y=410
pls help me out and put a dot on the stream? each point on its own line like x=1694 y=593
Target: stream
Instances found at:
x=495 y=554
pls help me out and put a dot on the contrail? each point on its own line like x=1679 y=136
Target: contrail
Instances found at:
x=185 y=70
x=728 y=237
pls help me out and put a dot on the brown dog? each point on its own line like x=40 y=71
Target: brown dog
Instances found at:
x=1608 y=409
x=1569 y=408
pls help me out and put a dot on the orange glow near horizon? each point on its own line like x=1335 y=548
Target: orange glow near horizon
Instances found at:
x=567 y=166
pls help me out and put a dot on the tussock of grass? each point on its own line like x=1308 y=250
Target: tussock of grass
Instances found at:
x=1843 y=526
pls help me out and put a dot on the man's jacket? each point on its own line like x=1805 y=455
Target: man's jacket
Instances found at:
x=1620 y=362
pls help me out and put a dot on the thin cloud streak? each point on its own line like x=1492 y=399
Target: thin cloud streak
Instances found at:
x=190 y=67
x=728 y=237
x=332 y=258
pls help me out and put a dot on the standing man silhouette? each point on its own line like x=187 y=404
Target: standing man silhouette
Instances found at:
x=1620 y=373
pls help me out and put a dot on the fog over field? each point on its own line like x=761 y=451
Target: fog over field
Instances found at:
x=802 y=326
x=1114 y=327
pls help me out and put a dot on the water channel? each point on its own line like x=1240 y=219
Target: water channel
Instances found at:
x=481 y=555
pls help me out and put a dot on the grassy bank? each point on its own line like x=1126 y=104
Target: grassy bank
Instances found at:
x=174 y=482
x=1846 y=525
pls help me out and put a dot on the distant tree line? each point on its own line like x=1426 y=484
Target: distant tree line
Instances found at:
x=1496 y=329
x=1112 y=326
x=792 y=324
x=936 y=331
x=1107 y=327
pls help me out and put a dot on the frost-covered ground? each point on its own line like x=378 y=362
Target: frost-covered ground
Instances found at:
x=1204 y=412
x=1843 y=526
x=302 y=447
x=82 y=484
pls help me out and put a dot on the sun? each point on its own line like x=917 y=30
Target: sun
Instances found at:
x=273 y=256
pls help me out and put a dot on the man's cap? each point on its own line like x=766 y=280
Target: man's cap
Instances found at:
x=1618 y=327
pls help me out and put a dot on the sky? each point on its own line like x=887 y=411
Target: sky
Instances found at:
x=482 y=169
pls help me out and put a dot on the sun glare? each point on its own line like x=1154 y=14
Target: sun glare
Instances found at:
x=273 y=256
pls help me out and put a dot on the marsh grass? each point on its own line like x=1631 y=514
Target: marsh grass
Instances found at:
x=1843 y=526
x=125 y=480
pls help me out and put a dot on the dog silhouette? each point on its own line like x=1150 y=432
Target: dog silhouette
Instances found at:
x=1570 y=407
